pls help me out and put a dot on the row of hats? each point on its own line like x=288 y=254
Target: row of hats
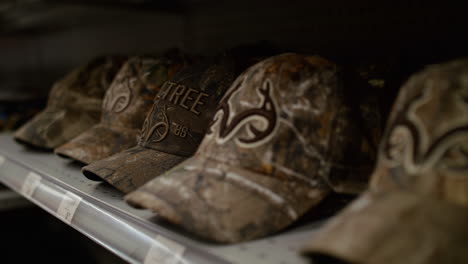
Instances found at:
x=277 y=140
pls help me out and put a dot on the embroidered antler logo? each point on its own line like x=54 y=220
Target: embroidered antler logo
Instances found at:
x=410 y=145
x=161 y=128
x=119 y=95
x=260 y=123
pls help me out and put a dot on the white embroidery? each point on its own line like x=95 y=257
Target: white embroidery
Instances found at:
x=273 y=197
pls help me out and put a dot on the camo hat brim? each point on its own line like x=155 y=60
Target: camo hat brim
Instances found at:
x=52 y=127
x=98 y=142
x=224 y=203
x=131 y=168
x=393 y=227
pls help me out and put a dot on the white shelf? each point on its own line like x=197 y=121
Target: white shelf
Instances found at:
x=103 y=216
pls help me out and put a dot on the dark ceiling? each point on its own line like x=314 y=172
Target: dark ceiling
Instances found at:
x=39 y=16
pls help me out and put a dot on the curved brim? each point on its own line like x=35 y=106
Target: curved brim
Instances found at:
x=225 y=204
x=53 y=127
x=98 y=142
x=395 y=227
x=131 y=168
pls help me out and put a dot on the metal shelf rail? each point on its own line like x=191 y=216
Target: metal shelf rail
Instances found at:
x=138 y=236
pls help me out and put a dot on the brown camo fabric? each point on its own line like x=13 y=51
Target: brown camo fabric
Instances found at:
x=280 y=131
x=425 y=145
x=416 y=209
x=74 y=104
x=395 y=227
x=174 y=127
x=125 y=106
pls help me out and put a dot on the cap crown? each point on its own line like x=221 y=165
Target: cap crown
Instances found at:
x=285 y=117
x=132 y=91
x=84 y=88
x=184 y=107
x=425 y=144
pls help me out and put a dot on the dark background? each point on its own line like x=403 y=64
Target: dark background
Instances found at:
x=42 y=40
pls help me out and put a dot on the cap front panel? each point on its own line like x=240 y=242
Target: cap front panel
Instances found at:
x=85 y=87
x=58 y=93
x=124 y=96
x=184 y=106
x=426 y=142
x=132 y=92
x=276 y=119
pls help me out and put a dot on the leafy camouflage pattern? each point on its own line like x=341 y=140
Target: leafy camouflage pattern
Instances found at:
x=395 y=227
x=74 y=105
x=125 y=105
x=279 y=137
x=173 y=128
x=421 y=171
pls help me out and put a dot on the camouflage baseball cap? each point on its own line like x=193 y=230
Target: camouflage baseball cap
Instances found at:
x=424 y=153
x=173 y=128
x=281 y=130
x=74 y=104
x=126 y=103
